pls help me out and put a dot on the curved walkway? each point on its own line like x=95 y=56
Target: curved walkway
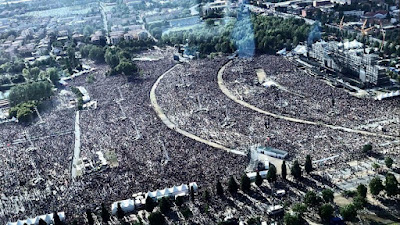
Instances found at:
x=229 y=94
x=172 y=126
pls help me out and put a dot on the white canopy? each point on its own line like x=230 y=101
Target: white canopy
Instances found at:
x=48 y=218
x=127 y=206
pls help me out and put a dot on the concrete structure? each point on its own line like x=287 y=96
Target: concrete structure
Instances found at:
x=273 y=152
x=349 y=58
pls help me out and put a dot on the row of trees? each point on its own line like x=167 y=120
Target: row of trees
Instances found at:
x=25 y=98
x=35 y=91
x=262 y=34
x=391 y=185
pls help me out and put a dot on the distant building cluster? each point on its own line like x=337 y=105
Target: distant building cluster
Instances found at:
x=349 y=58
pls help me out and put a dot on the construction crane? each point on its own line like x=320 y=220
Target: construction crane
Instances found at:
x=341 y=28
x=364 y=32
x=383 y=36
x=341 y=24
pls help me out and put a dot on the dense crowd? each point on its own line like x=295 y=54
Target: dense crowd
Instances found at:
x=156 y=158
x=306 y=97
x=191 y=98
x=36 y=170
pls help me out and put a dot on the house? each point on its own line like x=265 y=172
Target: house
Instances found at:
x=358 y=13
x=116 y=36
x=323 y=3
x=136 y=35
x=381 y=14
x=342 y=2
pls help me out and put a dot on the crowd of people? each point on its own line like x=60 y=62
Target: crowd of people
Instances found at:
x=35 y=164
x=36 y=171
x=306 y=97
x=191 y=98
x=156 y=158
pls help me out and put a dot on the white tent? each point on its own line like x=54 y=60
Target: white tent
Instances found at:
x=194 y=185
x=127 y=206
x=300 y=50
x=48 y=218
x=183 y=188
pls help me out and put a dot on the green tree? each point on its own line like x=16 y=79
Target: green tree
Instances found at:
x=292 y=219
x=367 y=149
x=245 y=183
x=348 y=212
x=111 y=58
x=53 y=75
x=391 y=185
x=206 y=195
x=179 y=201
x=24 y=114
x=165 y=205
x=359 y=202
x=127 y=68
x=311 y=199
x=283 y=170
x=299 y=208
x=327 y=195
x=220 y=190
x=388 y=162
x=326 y=212
x=120 y=212
x=296 y=170
x=26 y=74
x=149 y=205
x=232 y=185
x=271 y=174
x=192 y=194
x=35 y=91
x=156 y=218
x=362 y=190
x=34 y=73
x=89 y=217
x=308 y=165
x=96 y=54
x=259 y=179
x=375 y=186
x=42 y=222
x=105 y=215
x=56 y=218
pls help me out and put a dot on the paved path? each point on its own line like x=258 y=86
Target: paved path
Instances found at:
x=229 y=94
x=77 y=147
x=172 y=126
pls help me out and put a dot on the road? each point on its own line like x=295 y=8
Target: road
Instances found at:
x=172 y=126
x=225 y=90
x=77 y=147
x=105 y=22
